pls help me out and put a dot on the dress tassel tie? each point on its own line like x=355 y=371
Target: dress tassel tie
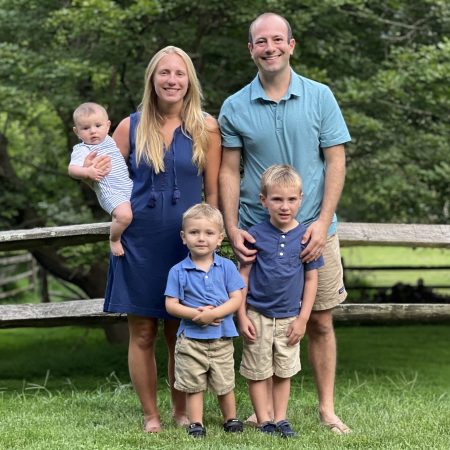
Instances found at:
x=152 y=201
x=176 y=195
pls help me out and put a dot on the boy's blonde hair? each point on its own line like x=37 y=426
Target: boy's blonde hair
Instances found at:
x=86 y=109
x=149 y=140
x=204 y=210
x=280 y=175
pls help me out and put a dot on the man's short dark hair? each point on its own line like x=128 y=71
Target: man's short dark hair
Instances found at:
x=288 y=26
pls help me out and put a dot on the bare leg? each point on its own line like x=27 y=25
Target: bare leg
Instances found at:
x=322 y=355
x=142 y=366
x=227 y=405
x=178 y=397
x=121 y=218
x=195 y=407
x=252 y=419
x=281 y=390
x=260 y=399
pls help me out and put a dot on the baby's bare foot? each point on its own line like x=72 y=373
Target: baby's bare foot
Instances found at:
x=116 y=248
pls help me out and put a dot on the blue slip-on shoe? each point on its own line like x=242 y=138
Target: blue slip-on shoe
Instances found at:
x=267 y=428
x=233 y=426
x=196 y=429
x=284 y=428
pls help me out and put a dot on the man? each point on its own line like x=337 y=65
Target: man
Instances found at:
x=281 y=117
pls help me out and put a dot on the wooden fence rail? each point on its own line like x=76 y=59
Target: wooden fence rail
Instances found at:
x=15 y=268
x=89 y=312
x=350 y=234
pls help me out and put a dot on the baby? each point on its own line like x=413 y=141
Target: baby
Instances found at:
x=113 y=190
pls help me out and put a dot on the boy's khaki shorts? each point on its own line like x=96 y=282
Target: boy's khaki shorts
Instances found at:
x=270 y=354
x=330 y=290
x=203 y=363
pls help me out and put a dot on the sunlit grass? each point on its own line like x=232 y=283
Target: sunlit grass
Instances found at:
x=66 y=388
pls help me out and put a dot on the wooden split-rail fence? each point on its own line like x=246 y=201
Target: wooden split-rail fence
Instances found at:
x=15 y=268
x=87 y=312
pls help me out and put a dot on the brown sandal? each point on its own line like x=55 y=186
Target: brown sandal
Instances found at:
x=337 y=427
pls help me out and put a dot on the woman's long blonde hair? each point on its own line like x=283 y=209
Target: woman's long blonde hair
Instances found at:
x=149 y=140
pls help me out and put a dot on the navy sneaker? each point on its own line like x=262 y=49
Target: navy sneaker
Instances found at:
x=233 y=426
x=284 y=428
x=196 y=429
x=267 y=428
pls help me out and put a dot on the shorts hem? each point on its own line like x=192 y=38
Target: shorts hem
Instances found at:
x=223 y=391
x=189 y=390
x=287 y=374
x=255 y=377
x=331 y=304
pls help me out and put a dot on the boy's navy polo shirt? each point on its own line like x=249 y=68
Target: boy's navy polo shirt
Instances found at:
x=194 y=287
x=276 y=281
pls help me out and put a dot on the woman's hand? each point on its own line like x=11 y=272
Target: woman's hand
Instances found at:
x=99 y=166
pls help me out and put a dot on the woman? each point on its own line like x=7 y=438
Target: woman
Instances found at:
x=173 y=149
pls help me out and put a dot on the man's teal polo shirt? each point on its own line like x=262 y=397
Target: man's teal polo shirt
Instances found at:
x=294 y=131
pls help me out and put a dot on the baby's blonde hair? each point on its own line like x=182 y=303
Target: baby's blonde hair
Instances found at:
x=86 y=109
x=204 y=210
x=280 y=175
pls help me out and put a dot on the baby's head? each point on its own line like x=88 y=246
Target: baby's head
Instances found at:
x=91 y=123
x=202 y=229
x=281 y=193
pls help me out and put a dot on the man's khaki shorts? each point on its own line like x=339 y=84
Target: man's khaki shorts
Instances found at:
x=203 y=363
x=270 y=354
x=330 y=290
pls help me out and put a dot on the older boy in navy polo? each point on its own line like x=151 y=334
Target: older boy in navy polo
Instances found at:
x=204 y=290
x=281 y=293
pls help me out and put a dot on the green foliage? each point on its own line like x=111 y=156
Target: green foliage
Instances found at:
x=388 y=62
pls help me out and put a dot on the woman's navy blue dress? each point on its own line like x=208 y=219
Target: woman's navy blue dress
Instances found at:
x=152 y=243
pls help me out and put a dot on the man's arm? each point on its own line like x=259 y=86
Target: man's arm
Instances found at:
x=229 y=183
x=334 y=184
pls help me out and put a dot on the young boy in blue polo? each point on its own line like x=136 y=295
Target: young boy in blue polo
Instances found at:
x=278 y=302
x=204 y=290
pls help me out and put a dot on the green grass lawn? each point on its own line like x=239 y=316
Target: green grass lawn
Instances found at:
x=66 y=388
x=398 y=256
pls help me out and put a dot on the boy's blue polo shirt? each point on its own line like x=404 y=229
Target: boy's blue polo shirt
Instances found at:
x=293 y=131
x=195 y=287
x=276 y=281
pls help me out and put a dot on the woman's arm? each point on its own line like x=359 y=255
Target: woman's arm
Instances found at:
x=122 y=137
x=213 y=159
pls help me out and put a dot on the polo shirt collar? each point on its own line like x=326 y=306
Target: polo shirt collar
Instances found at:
x=257 y=91
x=187 y=262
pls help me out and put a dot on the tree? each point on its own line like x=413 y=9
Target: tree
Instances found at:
x=386 y=61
